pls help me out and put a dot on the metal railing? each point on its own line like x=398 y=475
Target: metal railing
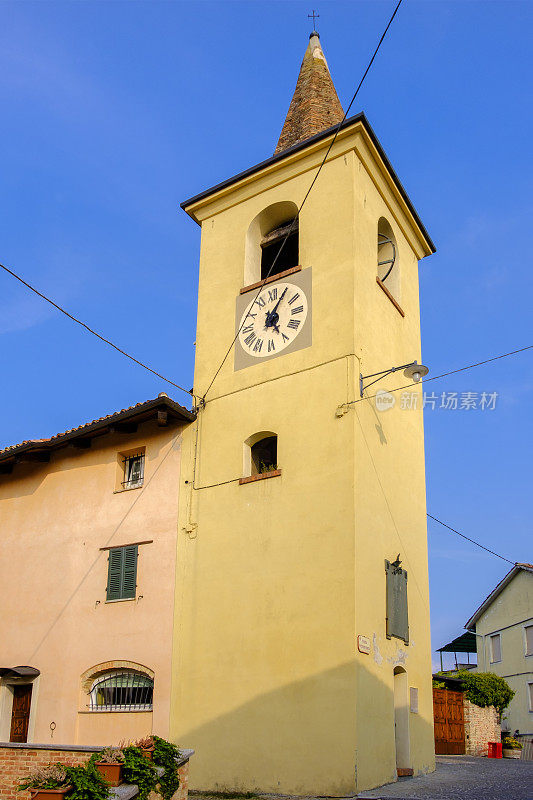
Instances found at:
x=122 y=690
x=133 y=471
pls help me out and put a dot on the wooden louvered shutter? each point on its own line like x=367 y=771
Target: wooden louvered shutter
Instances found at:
x=114 y=573
x=129 y=578
x=397 y=611
x=122 y=573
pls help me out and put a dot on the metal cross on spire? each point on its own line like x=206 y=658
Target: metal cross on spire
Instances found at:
x=314 y=16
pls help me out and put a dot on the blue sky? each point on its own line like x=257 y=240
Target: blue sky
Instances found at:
x=114 y=112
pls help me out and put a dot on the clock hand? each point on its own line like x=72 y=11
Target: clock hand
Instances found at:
x=280 y=299
x=271 y=321
x=272 y=317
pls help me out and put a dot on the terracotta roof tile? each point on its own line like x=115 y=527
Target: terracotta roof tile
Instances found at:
x=162 y=400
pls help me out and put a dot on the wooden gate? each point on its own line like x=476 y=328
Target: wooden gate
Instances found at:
x=20 y=715
x=449 y=722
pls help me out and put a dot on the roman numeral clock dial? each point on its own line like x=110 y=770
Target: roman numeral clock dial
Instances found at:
x=273 y=320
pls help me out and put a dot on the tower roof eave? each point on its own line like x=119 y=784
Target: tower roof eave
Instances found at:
x=296 y=148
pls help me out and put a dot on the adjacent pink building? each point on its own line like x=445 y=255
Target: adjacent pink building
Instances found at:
x=88 y=545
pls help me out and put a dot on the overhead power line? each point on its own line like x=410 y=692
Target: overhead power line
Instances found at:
x=293 y=223
x=444 y=374
x=468 y=539
x=94 y=333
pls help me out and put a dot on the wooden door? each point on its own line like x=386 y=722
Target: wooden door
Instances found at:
x=449 y=722
x=20 y=716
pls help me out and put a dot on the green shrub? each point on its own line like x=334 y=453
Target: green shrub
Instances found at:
x=139 y=770
x=486 y=689
x=165 y=755
x=87 y=783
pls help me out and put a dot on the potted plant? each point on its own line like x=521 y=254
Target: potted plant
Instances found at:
x=512 y=748
x=110 y=764
x=146 y=744
x=47 y=783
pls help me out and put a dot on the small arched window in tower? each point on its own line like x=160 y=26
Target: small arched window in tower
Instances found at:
x=264 y=454
x=388 y=268
x=283 y=240
x=260 y=455
x=264 y=238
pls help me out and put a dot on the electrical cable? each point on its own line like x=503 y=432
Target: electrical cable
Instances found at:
x=291 y=227
x=398 y=389
x=471 y=540
x=102 y=338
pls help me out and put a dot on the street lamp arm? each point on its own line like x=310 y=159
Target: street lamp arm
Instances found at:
x=412 y=365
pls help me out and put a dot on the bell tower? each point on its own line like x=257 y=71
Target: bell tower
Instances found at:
x=301 y=652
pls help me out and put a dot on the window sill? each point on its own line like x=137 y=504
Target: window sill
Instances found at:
x=262 y=477
x=128 y=489
x=394 y=302
x=272 y=278
x=121 y=711
x=121 y=600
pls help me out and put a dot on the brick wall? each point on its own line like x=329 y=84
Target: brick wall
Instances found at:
x=481 y=727
x=16 y=761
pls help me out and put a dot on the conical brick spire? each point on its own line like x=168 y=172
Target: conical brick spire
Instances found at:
x=315 y=105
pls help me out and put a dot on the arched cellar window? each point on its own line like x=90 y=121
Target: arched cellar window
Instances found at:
x=122 y=690
x=387 y=258
x=264 y=237
x=260 y=453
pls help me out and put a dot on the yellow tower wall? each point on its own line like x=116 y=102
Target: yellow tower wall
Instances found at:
x=277 y=578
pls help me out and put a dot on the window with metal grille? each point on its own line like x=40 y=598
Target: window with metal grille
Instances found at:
x=495 y=648
x=122 y=573
x=133 y=471
x=388 y=272
x=386 y=256
x=122 y=690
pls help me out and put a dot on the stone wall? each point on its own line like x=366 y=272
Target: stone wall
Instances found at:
x=481 y=727
x=17 y=760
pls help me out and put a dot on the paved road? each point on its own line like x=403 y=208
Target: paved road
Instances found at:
x=464 y=778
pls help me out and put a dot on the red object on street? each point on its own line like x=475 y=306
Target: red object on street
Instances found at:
x=495 y=750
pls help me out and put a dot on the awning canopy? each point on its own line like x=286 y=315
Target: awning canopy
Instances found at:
x=466 y=643
x=19 y=672
x=456 y=684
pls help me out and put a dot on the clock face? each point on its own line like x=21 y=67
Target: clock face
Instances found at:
x=273 y=319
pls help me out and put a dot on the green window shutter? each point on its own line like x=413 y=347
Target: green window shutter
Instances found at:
x=122 y=573
x=397 y=610
x=114 y=573
x=129 y=580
